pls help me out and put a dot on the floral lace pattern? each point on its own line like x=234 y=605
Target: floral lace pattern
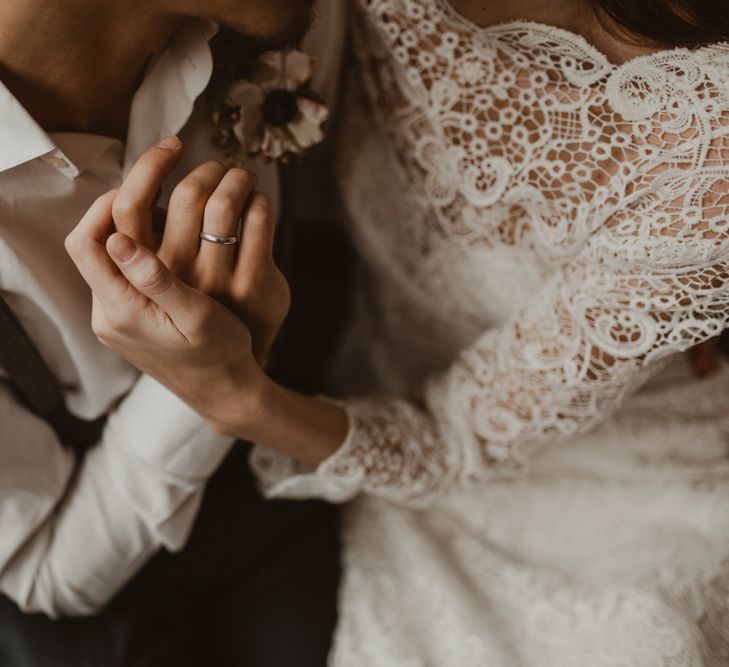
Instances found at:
x=543 y=232
x=614 y=179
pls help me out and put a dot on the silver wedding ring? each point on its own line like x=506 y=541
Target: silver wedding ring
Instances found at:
x=220 y=240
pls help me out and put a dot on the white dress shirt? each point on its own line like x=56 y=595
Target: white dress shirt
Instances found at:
x=70 y=538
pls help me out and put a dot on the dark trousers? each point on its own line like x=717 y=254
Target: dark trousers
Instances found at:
x=255 y=586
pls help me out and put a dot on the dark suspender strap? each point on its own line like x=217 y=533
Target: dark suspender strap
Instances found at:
x=28 y=370
x=38 y=386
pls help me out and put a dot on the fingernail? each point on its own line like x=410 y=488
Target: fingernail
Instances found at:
x=121 y=247
x=172 y=143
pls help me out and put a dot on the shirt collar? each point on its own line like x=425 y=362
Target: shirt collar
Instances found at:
x=175 y=78
x=21 y=138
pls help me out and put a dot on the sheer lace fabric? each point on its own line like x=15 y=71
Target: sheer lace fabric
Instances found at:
x=614 y=181
x=541 y=480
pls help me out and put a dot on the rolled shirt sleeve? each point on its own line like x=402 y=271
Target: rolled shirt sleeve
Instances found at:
x=71 y=537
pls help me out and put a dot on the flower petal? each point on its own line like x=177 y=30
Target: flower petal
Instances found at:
x=244 y=94
x=274 y=143
x=273 y=60
x=299 y=68
x=268 y=74
x=313 y=111
x=305 y=134
x=249 y=129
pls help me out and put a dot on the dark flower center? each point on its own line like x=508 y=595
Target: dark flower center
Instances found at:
x=280 y=107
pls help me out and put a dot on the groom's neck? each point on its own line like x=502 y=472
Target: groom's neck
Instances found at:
x=76 y=64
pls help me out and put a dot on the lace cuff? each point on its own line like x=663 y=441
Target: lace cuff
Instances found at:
x=337 y=479
x=392 y=450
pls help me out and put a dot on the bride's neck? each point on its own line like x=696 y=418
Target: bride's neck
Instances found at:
x=75 y=64
x=575 y=16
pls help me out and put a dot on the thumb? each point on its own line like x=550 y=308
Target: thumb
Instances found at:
x=148 y=274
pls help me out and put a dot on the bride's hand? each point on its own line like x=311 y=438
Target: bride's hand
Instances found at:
x=243 y=276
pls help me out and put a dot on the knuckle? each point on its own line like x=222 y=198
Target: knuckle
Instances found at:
x=103 y=340
x=249 y=290
x=245 y=177
x=283 y=288
x=102 y=329
x=259 y=212
x=99 y=327
x=72 y=244
x=110 y=195
x=265 y=293
x=125 y=208
x=189 y=193
x=213 y=166
x=115 y=323
x=202 y=323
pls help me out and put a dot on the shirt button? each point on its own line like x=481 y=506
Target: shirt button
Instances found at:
x=57 y=162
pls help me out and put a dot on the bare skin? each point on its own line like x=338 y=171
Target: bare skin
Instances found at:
x=576 y=17
x=54 y=53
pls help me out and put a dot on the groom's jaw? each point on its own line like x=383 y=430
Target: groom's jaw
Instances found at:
x=76 y=64
x=259 y=42
x=267 y=24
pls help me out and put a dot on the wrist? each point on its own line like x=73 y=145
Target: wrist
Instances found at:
x=242 y=403
x=307 y=429
x=304 y=428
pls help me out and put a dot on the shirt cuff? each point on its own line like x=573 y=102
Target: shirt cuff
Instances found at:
x=164 y=432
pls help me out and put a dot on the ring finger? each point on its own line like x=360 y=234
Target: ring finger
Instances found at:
x=181 y=241
x=222 y=220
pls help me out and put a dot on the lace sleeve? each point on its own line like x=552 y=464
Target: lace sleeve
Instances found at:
x=650 y=282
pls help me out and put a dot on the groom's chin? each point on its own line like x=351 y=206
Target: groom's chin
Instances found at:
x=282 y=26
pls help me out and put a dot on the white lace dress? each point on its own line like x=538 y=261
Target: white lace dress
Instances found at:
x=540 y=478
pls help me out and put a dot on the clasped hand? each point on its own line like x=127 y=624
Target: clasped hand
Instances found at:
x=151 y=298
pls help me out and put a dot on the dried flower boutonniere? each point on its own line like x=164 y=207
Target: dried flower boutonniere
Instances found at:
x=271 y=113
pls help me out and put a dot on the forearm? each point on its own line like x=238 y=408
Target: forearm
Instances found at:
x=307 y=429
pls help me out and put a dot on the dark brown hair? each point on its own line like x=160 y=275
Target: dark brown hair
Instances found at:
x=688 y=23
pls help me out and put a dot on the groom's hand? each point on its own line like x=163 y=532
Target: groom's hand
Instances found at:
x=170 y=330
x=133 y=204
x=214 y=200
